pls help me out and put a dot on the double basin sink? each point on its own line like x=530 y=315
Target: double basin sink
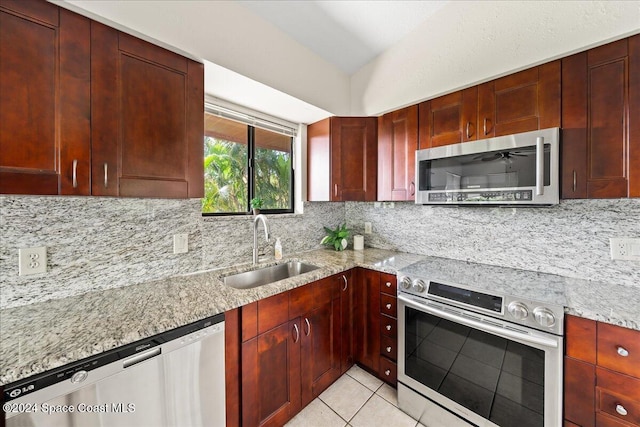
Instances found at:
x=266 y=275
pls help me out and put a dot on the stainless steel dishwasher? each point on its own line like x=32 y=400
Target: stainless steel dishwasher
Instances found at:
x=171 y=379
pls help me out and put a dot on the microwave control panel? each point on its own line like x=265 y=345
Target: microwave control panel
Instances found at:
x=484 y=196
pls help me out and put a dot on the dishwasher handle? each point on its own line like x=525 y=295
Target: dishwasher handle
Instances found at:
x=141 y=357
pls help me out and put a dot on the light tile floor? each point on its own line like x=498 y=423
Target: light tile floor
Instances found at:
x=355 y=399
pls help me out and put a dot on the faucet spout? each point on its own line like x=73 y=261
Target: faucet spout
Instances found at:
x=256 y=220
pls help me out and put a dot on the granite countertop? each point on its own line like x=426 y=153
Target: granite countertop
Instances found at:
x=44 y=336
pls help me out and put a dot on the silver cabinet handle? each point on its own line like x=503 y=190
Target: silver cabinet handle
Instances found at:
x=622 y=351
x=308 y=326
x=106 y=175
x=335 y=190
x=388 y=306
x=387 y=372
x=297 y=331
x=388 y=284
x=74 y=173
x=388 y=349
x=539 y=166
x=346 y=283
x=388 y=327
x=575 y=180
x=484 y=125
x=412 y=188
x=468 y=134
x=621 y=410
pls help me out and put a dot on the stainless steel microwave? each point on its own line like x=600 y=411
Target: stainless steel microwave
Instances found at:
x=519 y=169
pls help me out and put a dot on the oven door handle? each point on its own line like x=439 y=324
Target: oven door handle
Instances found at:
x=505 y=333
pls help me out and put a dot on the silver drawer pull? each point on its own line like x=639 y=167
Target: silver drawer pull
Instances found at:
x=388 y=284
x=388 y=306
x=346 y=284
x=620 y=409
x=387 y=372
x=623 y=352
x=106 y=175
x=388 y=327
x=388 y=349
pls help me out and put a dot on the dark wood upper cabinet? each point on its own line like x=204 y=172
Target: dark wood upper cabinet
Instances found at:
x=147 y=118
x=449 y=119
x=520 y=102
x=601 y=130
x=44 y=99
x=342 y=159
x=87 y=110
x=397 y=144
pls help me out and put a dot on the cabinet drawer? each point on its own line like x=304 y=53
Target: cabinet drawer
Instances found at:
x=389 y=347
x=388 y=371
x=580 y=336
x=388 y=326
x=619 y=407
x=604 y=420
x=388 y=284
x=388 y=305
x=613 y=343
x=616 y=383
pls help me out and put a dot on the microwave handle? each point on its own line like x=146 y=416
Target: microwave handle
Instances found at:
x=539 y=166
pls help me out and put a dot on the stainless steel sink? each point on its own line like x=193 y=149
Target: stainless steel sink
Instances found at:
x=263 y=276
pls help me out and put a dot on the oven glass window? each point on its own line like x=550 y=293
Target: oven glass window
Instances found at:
x=498 y=379
x=511 y=168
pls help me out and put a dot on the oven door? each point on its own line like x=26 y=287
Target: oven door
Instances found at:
x=487 y=371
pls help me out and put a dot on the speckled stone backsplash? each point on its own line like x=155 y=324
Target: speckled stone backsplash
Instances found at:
x=570 y=239
x=102 y=243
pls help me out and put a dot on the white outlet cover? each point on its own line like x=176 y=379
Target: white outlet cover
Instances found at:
x=32 y=260
x=180 y=243
x=625 y=249
x=367 y=228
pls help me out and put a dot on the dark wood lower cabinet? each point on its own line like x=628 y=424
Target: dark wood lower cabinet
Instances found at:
x=347 y=289
x=271 y=376
x=367 y=319
x=579 y=392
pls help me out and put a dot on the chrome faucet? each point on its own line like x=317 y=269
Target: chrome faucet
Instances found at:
x=255 y=235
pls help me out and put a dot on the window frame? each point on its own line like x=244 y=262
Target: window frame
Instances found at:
x=251 y=146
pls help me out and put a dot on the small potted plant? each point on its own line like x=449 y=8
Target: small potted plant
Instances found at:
x=256 y=205
x=337 y=239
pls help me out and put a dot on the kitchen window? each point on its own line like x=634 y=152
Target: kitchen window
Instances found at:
x=246 y=157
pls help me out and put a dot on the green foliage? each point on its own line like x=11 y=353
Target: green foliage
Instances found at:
x=226 y=177
x=256 y=203
x=335 y=237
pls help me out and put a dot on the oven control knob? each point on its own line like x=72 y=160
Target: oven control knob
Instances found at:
x=544 y=317
x=419 y=286
x=518 y=310
x=406 y=282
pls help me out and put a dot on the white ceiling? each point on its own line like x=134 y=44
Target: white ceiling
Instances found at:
x=305 y=60
x=346 y=33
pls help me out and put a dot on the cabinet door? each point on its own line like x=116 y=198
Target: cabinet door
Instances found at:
x=354 y=158
x=520 y=102
x=347 y=287
x=147 y=118
x=367 y=319
x=397 y=144
x=44 y=99
x=271 y=376
x=320 y=331
x=319 y=161
x=449 y=119
x=579 y=392
x=599 y=133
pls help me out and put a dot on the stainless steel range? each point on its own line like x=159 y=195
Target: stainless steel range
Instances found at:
x=473 y=350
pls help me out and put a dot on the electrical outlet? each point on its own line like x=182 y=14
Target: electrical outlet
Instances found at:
x=625 y=249
x=32 y=260
x=180 y=243
x=367 y=228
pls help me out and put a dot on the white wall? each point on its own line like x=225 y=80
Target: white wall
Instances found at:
x=228 y=34
x=439 y=57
